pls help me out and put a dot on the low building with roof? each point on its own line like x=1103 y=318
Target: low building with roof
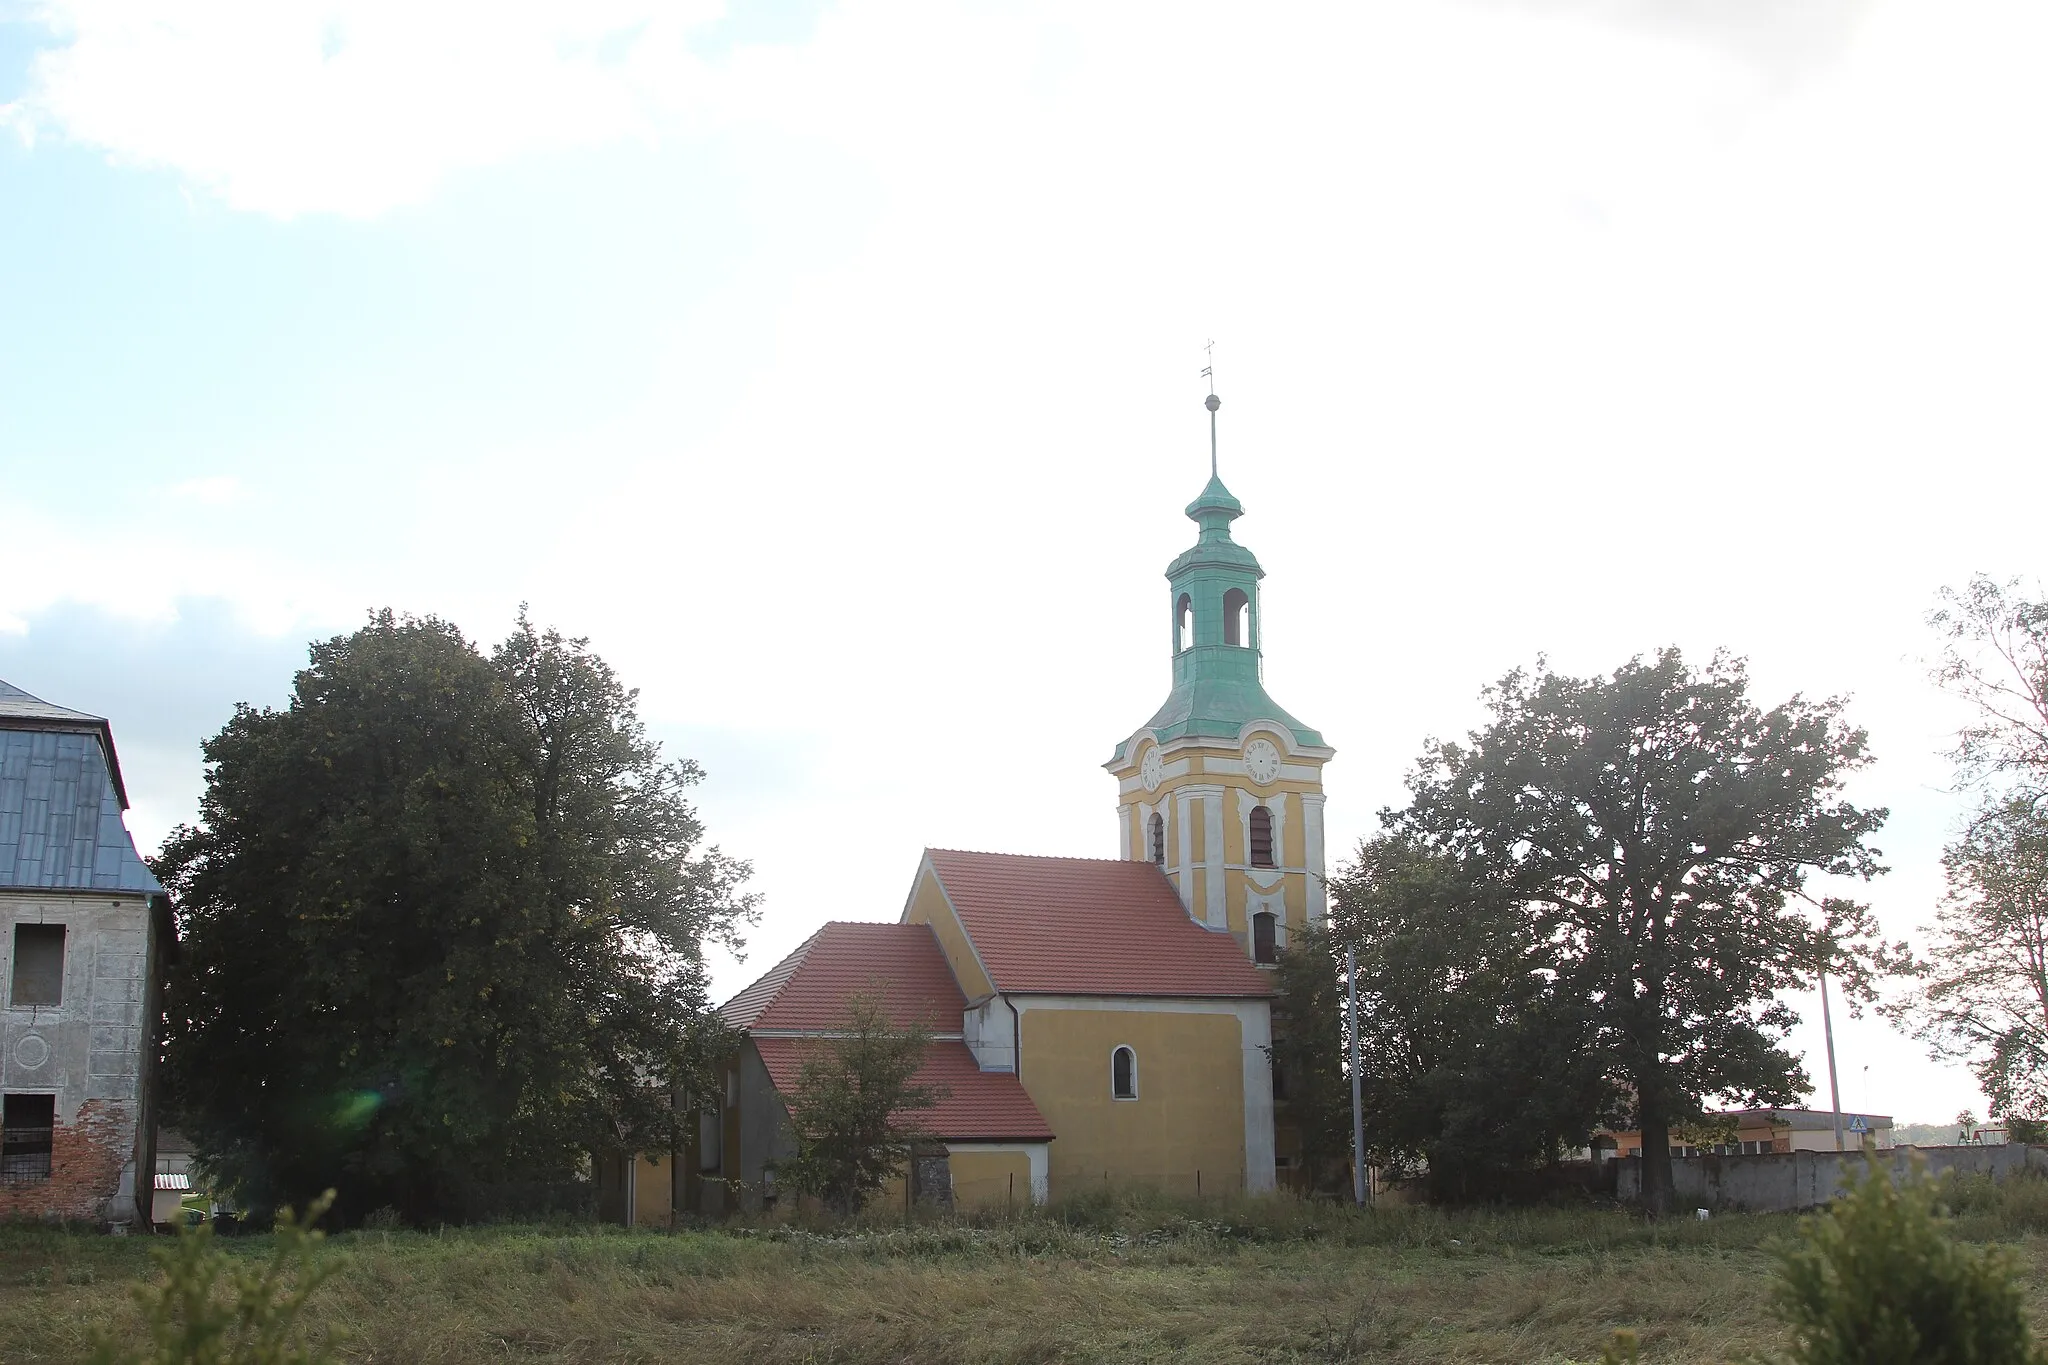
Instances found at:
x=1094 y=1020
x=83 y=926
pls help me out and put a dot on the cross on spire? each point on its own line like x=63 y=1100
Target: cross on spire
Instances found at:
x=1213 y=403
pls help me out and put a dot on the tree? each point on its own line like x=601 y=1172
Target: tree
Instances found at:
x=1655 y=831
x=1308 y=1050
x=853 y=1110
x=1983 y=996
x=443 y=920
x=1475 y=1062
x=1995 y=659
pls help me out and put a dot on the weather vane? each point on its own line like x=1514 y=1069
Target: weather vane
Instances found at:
x=1213 y=403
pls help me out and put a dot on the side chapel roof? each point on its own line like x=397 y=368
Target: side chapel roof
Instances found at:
x=977 y=1105
x=61 y=799
x=1088 y=926
x=809 y=989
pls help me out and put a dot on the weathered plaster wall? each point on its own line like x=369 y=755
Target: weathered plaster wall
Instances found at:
x=1783 y=1181
x=88 y=1051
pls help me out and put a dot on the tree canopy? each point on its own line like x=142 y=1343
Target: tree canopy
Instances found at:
x=1476 y=1060
x=1983 y=996
x=443 y=922
x=1647 y=839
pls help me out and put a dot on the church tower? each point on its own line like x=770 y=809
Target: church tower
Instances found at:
x=1222 y=788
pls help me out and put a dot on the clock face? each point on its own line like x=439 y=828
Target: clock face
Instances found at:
x=1151 y=771
x=1262 y=761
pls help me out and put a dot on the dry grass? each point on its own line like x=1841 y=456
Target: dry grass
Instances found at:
x=1125 y=1279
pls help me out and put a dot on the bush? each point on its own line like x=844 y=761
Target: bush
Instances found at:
x=210 y=1311
x=1875 y=1281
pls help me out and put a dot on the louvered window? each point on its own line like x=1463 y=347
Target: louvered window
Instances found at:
x=1262 y=837
x=1158 y=833
x=1265 y=939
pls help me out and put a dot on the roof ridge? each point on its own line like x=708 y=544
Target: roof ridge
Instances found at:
x=1044 y=857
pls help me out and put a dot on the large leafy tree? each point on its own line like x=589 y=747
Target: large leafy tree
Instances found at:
x=1654 y=833
x=1476 y=1060
x=1983 y=998
x=443 y=922
x=1994 y=658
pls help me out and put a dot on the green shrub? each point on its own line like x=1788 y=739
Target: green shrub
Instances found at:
x=209 y=1310
x=1876 y=1281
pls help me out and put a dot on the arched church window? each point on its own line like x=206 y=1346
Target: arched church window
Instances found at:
x=1265 y=938
x=1183 y=623
x=1262 y=837
x=1157 y=834
x=1237 y=618
x=1123 y=1074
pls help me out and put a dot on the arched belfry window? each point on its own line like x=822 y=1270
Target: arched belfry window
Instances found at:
x=1183 y=623
x=1237 y=618
x=1262 y=837
x=1123 y=1074
x=1157 y=835
x=1265 y=938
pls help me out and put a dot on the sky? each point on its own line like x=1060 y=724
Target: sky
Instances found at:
x=834 y=368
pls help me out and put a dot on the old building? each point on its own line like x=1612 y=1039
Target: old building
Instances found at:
x=83 y=926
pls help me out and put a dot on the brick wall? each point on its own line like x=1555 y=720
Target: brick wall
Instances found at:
x=85 y=1167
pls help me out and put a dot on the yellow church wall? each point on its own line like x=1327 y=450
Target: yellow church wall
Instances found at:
x=653 y=1191
x=1189 y=1114
x=985 y=1179
x=928 y=905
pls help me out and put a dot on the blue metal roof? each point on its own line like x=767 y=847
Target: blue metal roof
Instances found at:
x=60 y=803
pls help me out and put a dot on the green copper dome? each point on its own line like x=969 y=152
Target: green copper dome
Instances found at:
x=1214 y=600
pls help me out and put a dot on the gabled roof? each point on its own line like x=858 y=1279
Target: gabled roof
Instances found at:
x=808 y=990
x=978 y=1106
x=61 y=802
x=1088 y=926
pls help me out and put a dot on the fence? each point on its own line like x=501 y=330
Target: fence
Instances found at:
x=1779 y=1182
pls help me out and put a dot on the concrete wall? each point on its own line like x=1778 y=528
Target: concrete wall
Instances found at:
x=90 y=1051
x=1784 y=1181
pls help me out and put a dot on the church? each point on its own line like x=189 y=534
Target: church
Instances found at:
x=1094 y=1021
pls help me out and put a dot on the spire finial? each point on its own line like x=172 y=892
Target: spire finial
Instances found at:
x=1213 y=403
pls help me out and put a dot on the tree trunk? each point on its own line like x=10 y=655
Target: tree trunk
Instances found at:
x=1656 y=1127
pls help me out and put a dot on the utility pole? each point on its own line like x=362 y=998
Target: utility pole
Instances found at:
x=1827 y=1028
x=1357 y=1106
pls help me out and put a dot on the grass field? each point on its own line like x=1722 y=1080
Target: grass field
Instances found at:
x=1112 y=1279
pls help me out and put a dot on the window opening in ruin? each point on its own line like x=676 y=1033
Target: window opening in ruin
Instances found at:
x=28 y=1134
x=38 y=965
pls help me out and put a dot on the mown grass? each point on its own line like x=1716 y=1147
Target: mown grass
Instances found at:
x=1122 y=1278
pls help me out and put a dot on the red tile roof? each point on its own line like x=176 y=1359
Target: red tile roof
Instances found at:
x=979 y=1106
x=1088 y=926
x=809 y=989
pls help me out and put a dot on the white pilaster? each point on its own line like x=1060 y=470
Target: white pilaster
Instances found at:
x=1123 y=828
x=1214 y=904
x=1312 y=830
x=1183 y=852
x=1255 y=1023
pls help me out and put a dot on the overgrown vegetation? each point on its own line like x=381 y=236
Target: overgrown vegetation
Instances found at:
x=209 y=1309
x=1123 y=1276
x=1876 y=1281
